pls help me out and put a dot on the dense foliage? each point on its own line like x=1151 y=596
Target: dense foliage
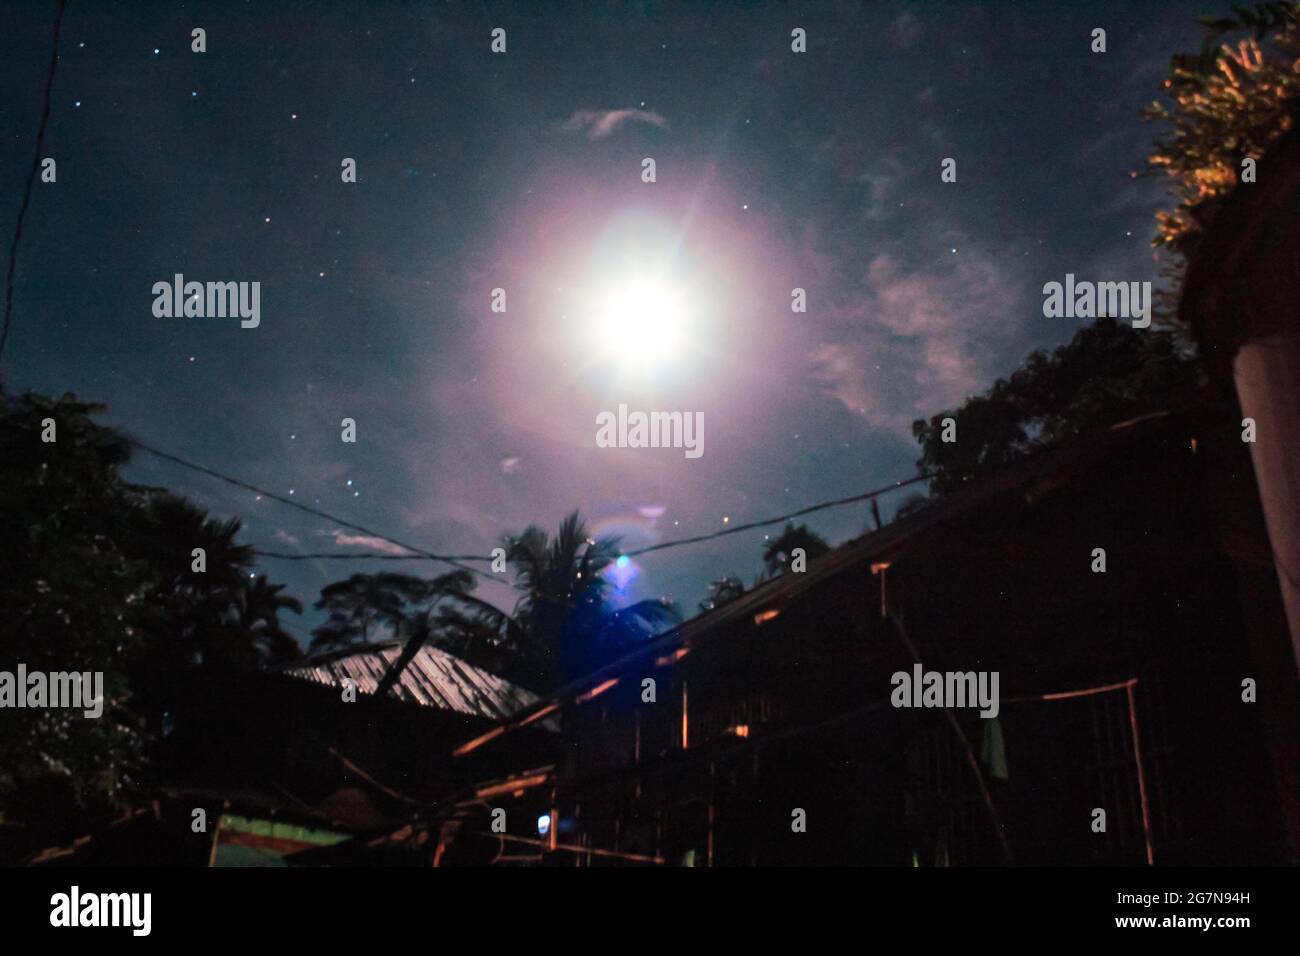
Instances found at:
x=96 y=576
x=1107 y=373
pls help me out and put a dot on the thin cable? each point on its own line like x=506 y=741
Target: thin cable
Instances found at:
x=786 y=517
x=31 y=179
x=336 y=556
x=420 y=552
x=820 y=506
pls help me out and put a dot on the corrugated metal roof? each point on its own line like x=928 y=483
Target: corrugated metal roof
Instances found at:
x=433 y=678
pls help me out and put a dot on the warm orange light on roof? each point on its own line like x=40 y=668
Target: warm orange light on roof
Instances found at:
x=479 y=741
x=672 y=658
x=532 y=718
x=762 y=617
x=597 y=690
x=741 y=730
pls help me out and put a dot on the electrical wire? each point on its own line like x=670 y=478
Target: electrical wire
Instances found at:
x=31 y=179
x=212 y=472
x=420 y=554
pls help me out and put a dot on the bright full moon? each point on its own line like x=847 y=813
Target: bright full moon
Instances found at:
x=640 y=324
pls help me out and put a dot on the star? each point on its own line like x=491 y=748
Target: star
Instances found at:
x=77 y=103
x=155 y=51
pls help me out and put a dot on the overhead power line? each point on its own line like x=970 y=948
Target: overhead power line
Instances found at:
x=212 y=472
x=420 y=554
x=820 y=506
x=31 y=179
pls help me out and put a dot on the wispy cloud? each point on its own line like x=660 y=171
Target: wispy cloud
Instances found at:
x=343 y=539
x=915 y=340
x=599 y=124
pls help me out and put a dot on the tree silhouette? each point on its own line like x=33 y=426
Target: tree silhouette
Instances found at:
x=562 y=623
x=68 y=577
x=197 y=620
x=96 y=575
x=1107 y=373
x=366 y=608
x=420 y=626
x=258 y=605
x=777 y=553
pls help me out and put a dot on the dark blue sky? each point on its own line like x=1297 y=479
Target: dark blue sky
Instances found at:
x=477 y=171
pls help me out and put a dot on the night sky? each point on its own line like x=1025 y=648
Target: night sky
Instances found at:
x=522 y=171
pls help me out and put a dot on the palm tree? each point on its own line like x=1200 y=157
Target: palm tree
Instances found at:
x=188 y=620
x=562 y=624
x=569 y=627
x=192 y=609
x=179 y=527
x=777 y=554
x=257 y=611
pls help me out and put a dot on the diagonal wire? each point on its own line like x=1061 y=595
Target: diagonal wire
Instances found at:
x=456 y=560
x=31 y=178
x=820 y=506
x=416 y=551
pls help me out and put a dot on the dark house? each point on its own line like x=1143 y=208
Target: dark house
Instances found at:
x=282 y=765
x=1161 y=691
